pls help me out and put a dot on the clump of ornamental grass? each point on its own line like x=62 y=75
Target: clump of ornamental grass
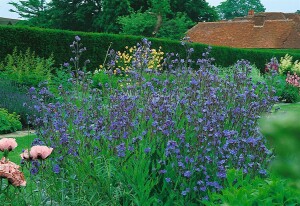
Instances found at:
x=156 y=140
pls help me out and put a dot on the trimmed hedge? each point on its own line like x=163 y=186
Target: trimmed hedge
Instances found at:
x=47 y=41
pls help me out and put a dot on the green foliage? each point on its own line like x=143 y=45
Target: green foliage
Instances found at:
x=144 y=24
x=138 y=24
x=101 y=79
x=286 y=92
x=111 y=11
x=9 y=122
x=282 y=131
x=196 y=10
x=23 y=142
x=243 y=190
x=13 y=97
x=175 y=28
x=29 y=9
x=26 y=68
x=57 y=41
x=287 y=65
x=60 y=78
x=139 y=5
x=290 y=94
x=256 y=75
x=200 y=11
x=230 y=9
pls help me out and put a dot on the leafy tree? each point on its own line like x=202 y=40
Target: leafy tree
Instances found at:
x=230 y=9
x=297 y=12
x=138 y=23
x=139 y=5
x=196 y=10
x=175 y=28
x=35 y=11
x=111 y=10
x=29 y=9
x=74 y=14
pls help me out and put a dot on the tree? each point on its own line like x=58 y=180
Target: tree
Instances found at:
x=297 y=12
x=175 y=28
x=138 y=23
x=29 y=9
x=157 y=21
x=74 y=14
x=196 y=10
x=230 y=9
x=139 y=5
x=111 y=10
x=35 y=11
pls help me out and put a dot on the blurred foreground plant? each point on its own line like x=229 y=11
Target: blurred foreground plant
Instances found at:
x=283 y=133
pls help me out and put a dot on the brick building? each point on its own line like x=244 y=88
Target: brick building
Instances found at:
x=262 y=30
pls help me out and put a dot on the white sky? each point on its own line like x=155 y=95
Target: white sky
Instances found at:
x=270 y=5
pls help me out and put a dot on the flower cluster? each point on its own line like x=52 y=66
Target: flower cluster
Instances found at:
x=8 y=144
x=123 y=62
x=190 y=125
x=293 y=79
x=287 y=65
x=11 y=172
x=37 y=152
x=8 y=169
x=273 y=65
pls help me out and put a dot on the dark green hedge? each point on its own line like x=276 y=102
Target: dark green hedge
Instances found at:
x=47 y=41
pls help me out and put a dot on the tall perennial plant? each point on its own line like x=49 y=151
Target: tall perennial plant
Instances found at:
x=158 y=141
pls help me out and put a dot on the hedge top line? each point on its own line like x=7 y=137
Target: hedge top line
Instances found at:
x=47 y=41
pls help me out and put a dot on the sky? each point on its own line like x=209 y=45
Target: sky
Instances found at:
x=270 y=5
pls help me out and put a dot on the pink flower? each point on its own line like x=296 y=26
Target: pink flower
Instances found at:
x=8 y=144
x=11 y=171
x=37 y=152
x=25 y=155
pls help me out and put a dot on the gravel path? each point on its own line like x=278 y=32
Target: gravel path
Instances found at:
x=17 y=134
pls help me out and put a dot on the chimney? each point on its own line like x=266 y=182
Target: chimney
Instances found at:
x=259 y=20
x=251 y=12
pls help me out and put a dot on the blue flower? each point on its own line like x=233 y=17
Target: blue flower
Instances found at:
x=147 y=150
x=56 y=169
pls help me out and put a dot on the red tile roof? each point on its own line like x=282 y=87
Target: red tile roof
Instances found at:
x=264 y=30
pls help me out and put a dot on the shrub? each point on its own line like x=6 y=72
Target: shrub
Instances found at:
x=59 y=78
x=293 y=80
x=285 y=91
x=282 y=131
x=57 y=42
x=14 y=98
x=287 y=65
x=290 y=94
x=101 y=78
x=26 y=68
x=9 y=122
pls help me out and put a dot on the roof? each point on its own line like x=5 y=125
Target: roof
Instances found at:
x=263 y=30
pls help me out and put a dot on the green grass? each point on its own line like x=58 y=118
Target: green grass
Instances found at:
x=23 y=143
x=285 y=107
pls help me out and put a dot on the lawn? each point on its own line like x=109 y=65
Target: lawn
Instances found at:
x=285 y=107
x=23 y=143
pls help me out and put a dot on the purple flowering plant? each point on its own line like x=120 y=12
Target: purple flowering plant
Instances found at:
x=155 y=140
